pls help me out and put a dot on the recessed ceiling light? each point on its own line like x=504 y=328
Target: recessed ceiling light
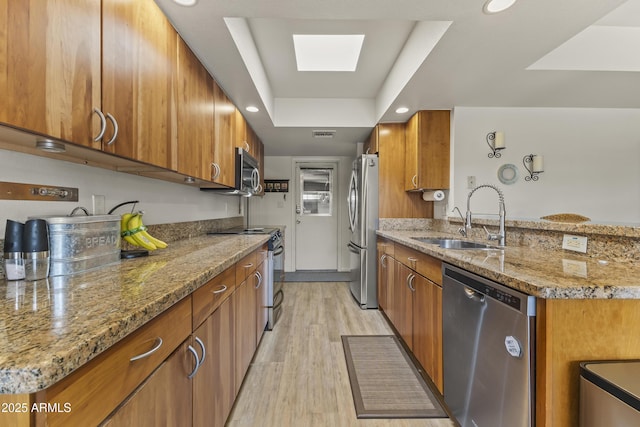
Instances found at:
x=327 y=52
x=496 y=6
x=401 y=110
x=252 y=109
x=185 y=2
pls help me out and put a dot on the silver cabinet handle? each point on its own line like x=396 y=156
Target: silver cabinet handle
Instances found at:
x=246 y=144
x=382 y=258
x=414 y=180
x=103 y=125
x=115 y=129
x=410 y=282
x=259 y=276
x=221 y=290
x=195 y=355
x=204 y=351
x=248 y=265
x=216 y=170
x=148 y=353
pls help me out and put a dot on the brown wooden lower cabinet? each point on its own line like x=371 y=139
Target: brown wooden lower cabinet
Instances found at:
x=414 y=305
x=214 y=388
x=386 y=271
x=245 y=327
x=164 y=399
x=262 y=312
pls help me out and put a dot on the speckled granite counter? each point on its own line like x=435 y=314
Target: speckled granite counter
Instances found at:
x=50 y=327
x=544 y=273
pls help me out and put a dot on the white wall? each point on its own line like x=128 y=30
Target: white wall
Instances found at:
x=592 y=161
x=163 y=202
x=278 y=209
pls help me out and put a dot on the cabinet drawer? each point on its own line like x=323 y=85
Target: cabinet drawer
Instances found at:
x=209 y=297
x=424 y=264
x=98 y=387
x=245 y=267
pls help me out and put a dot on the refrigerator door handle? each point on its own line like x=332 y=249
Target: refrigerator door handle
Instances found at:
x=353 y=248
x=352 y=193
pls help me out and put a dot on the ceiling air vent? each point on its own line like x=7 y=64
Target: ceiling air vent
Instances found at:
x=323 y=133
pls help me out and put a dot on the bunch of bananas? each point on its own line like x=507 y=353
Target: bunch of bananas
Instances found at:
x=133 y=231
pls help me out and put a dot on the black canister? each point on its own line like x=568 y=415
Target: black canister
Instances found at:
x=35 y=241
x=13 y=259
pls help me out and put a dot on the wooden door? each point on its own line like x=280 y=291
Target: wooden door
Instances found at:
x=214 y=388
x=262 y=313
x=139 y=48
x=164 y=399
x=427 y=327
x=224 y=143
x=195 y=115
x=403 y=303
x=245 y=330
x=50 y=68
x=427 y=150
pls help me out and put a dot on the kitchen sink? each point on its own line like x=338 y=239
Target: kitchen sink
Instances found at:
x=454 y=243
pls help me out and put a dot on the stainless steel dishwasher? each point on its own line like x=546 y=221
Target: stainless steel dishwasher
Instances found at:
x=488 y=346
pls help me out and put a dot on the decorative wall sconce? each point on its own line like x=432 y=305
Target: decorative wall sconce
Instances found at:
x=495 y=141
x=537 y=166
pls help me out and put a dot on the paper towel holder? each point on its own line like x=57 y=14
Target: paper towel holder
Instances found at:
x=495 y=141
x=537 y=166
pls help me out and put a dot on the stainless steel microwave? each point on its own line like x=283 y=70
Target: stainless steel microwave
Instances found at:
x=247 y=176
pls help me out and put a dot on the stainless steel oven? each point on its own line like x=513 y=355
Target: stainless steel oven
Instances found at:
x=275 y=268
x=275 y=294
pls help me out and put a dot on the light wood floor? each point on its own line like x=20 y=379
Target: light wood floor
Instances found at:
x=299 y=375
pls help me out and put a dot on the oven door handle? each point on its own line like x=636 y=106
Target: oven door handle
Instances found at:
x=278 y=251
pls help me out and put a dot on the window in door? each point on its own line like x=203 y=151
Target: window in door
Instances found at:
x=317 y=191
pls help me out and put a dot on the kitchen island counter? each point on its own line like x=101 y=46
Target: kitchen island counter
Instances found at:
x=52 y=326
x=548 y=274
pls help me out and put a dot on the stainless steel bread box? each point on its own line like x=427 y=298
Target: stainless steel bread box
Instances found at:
x=82 y=243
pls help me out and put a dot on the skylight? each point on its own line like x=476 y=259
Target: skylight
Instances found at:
x=327 y=52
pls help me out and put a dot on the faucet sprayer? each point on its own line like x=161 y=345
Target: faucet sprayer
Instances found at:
x=501 y=236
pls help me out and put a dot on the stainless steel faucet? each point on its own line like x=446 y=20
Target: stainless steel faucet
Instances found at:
x=502 y=234
x=461 y=230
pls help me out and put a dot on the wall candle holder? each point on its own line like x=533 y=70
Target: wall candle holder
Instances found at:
x=495 y=141
x=537 y=166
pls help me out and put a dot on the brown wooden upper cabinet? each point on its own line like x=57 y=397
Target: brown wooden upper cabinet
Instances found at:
x=138 y=81
x=50 y=68
x=427 y=151
x=195 y=116
x=224 y=142
x=371 y=145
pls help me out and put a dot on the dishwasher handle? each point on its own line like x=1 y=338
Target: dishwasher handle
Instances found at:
x=473 y=294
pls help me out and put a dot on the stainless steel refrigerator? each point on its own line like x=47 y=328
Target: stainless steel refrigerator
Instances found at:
x=362 y=205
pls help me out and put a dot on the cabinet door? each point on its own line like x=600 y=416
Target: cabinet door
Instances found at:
x=139 y=48
x=164 y=399
x=262 y=313
x=386 y=268
x=50 y=68
x=195 y=116
x=403 y=303
x=214 y=388
x=245 y=331
x=371 y=144
x=224 y=138
x=394 y=201
x=427 y=327
x=241 y=132
x=427 y=150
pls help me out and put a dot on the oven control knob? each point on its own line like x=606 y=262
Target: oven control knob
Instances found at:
x=513 y=346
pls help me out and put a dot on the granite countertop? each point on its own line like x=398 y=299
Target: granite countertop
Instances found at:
x=549 y=274
x=50 y=327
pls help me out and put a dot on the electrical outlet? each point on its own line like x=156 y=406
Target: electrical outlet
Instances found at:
x=471 y=182
x=574 y=243
x=98 y=204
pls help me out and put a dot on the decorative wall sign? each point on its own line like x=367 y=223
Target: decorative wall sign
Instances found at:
x=276 y=185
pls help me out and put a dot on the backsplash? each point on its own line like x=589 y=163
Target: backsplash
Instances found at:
x=177 y=231
x=606 y=242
